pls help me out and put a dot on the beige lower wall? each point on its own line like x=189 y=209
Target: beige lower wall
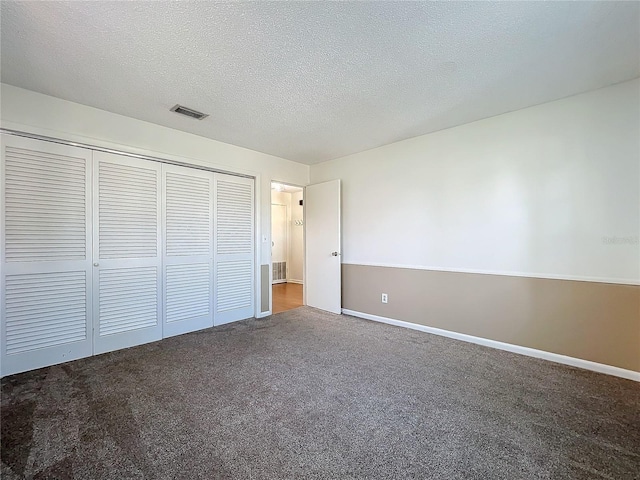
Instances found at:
x=599 y=322
x=265 y=288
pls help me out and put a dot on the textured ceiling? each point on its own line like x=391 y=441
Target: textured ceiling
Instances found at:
x=315 y=81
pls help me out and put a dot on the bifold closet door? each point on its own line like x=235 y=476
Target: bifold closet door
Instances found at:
x=234 y=248
x=127 y=274
x=188 y=249
x=46 y=254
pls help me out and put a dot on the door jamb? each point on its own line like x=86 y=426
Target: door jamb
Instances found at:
x=304 y=244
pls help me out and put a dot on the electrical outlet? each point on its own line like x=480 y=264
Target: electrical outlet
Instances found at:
x=385 y=298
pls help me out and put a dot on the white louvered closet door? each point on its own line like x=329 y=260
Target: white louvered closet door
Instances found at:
x=188 y=249
x=234 y=248
x=127 y=275
x=46 y=254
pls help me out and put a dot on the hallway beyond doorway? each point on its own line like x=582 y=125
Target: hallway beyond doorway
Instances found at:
x=286 y=296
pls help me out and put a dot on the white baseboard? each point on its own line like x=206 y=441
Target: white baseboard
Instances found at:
x=263 y=314
x=294 y=281
x=530 y=352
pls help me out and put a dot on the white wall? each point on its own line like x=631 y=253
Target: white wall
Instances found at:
x=44 y=115
x=551 y=191
x=297 y=239
x=281 y=198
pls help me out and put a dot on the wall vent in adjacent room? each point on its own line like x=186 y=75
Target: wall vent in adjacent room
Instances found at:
x=279 y=271
x=189 y=112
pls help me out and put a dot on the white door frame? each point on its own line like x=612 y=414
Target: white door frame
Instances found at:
x=304 y=246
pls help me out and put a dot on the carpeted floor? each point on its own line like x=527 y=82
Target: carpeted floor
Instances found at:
x=304 y=394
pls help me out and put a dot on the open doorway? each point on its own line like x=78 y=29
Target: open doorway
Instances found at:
x=287 y=246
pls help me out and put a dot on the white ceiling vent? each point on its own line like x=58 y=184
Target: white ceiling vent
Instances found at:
x=189 y=112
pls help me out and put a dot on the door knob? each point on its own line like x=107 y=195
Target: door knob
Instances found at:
x=334 y=254
x=96 y=264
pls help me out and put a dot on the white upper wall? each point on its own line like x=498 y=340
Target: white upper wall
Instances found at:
x=551 y=191
x=33 y=112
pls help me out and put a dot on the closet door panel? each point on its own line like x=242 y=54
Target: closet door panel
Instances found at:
x=45 y=271
x=188 y=249
x=234 y=248
x=127 y=274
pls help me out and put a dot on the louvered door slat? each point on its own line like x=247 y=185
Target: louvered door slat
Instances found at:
x=65 y=301
x=188 y=253
x=189 y=291
x=234 y=263
x=129 y=196
x=48 y=188
x=51 y=317
x=234 y=217
x=128 y=278
x=46 y=253
x=125 y=304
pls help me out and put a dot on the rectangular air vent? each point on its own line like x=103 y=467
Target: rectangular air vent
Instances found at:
x=189 y=112
x=279 y=271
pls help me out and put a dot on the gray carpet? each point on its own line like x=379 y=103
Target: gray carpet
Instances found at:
x=304 y=394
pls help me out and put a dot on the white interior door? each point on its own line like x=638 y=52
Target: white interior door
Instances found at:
x=279 y=242
x=188 y=249
x=127 y=303
x=46 y=254
x=234 y=248
x=323 y=280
